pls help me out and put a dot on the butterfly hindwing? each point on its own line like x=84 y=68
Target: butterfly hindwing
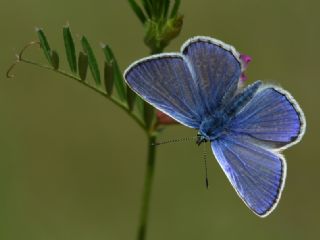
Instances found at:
x=272 y=117
x=165 y=81
x=248 y=152
x=257 y=174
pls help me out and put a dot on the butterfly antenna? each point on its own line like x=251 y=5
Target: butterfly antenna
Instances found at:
x=185 y=139
x=205 y=164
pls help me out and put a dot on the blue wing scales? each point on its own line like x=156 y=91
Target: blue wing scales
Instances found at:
x=165 y=81
x=272 y=117
x=188 y=86
x=257 y=174
x=216 y=67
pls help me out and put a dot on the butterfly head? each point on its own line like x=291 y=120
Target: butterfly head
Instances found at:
x=201 y=138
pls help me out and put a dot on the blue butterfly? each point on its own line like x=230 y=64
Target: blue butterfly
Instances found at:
x=246 y=127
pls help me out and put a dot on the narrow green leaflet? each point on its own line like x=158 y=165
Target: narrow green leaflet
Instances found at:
x=83 y=65
x=108 y=77
x=140 y=106
x=70 y=49
x=117 y=75
x=156 y=8
x=44 y=44
x=138 y=11
x=92 y=61
x=147 y=7
x=165 y=8
x=55 y=59
x=107 y=52
x=149 y=114
x=145 y=111
x=131 y=97
x=175 y=8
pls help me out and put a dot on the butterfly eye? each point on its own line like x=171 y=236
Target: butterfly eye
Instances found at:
x=200 y=139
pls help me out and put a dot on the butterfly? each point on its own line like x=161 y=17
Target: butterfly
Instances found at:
x=247 y=127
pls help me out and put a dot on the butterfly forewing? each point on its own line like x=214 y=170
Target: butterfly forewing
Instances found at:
x=165 y=81
x=216 y=67
x=191 y=85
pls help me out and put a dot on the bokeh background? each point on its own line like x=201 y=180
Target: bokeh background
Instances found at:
x=72 y=164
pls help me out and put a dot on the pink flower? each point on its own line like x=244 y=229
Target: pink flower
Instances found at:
x=245 y=62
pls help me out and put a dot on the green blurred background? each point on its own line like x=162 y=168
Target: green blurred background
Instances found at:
x=72 y=164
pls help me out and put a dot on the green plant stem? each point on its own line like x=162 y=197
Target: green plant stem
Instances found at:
x=100 y=91
x=149 y=175
x=156 y=50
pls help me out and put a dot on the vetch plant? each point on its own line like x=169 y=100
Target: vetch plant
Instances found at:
x=162 y=23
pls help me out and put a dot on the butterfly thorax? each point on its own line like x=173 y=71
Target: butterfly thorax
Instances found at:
x=216 y=124
x=213 y=126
